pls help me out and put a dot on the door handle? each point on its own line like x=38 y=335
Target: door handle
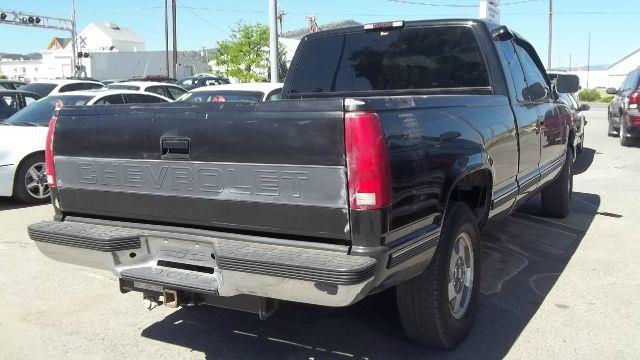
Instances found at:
x=175 y=148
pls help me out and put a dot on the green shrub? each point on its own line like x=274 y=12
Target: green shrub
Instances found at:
x=589 y=95
x=606 y=99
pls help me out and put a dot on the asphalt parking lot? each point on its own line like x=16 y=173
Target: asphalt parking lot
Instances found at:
x=551 y=289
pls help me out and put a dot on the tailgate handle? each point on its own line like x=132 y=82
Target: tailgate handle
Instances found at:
x=176 y=148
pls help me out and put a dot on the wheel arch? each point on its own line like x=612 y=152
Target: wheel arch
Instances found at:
x=474 y=187
x=19 y=165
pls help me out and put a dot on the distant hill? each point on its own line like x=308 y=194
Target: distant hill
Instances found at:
x=30 y=56
x=594 y=67
x=299 y=33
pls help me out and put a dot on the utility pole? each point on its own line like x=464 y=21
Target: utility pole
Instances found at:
x=588 y=60
x=166 y=36
x=175 y=39
x=74 y=37
x=550 y=33
x=273 y=40
x=313 y=23
x=281 y=13
x=570 y=62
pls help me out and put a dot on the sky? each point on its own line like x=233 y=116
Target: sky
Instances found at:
x=202 y=23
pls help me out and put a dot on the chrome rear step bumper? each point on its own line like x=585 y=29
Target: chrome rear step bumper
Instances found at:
x=210 y=264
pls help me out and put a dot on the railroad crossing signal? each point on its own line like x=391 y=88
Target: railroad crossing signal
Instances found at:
x=19 y=18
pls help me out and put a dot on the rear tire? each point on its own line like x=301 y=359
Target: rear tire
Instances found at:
x=611 y=132
x=30 y=184
x=624 y=139
x=429 y=314
x=581 y=145
x=556 y=197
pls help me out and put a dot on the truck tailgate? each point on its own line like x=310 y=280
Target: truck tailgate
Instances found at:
x=269 y=167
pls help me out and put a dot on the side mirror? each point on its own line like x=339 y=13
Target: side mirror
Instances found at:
x=584 y=107
x=612 y=91
x=501 y=33
x=535 y=92
x=567 y=84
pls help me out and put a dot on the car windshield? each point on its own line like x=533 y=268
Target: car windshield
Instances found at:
x=42 y=89
x=123 y=87
x=221 y=96
x=39 y=113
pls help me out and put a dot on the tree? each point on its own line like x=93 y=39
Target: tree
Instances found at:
x=245 y=56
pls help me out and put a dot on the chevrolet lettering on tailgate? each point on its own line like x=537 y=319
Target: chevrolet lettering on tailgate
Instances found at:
x=224 y=181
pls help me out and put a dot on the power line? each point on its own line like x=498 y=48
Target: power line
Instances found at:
x=435 y=5
x=245 y=11
x=120 y=10
x=459 y=5
x=182 y=6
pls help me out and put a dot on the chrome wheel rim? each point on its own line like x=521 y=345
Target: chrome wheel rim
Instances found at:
x=460 y=285
x=35 y=181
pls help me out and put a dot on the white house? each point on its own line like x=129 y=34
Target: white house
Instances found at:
x=109 y=37
x=114 y=52
x=618 y=70
x=609 y=76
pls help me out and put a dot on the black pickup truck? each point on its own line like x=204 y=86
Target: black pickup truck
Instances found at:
x=394 y=145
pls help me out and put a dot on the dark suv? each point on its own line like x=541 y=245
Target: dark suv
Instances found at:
x=624 y=115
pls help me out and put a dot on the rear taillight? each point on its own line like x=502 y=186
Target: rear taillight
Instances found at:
x=634 y=100
x=48 y=152
x=634 y=119
x=368 y=173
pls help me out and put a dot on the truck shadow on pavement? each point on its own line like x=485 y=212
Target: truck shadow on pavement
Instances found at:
x=583 y=161
x=7 y=203
x=523 y=256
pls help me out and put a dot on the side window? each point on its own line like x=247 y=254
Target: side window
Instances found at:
x=72 y=87
x=536 y=82
x=632 y=81
x=174 y=92
x=28 y=99
x=159 y=90
x=274 y=95
x=623 y=87
x=567 y=100
x=90 y=86
x=574 y=101
x=187 y=82
x=213 y=82
x=142 y=99
x=515 y=68
x=111 y=99
x=8 y=106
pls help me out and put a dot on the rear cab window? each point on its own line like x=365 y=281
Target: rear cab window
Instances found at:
x=428 y=57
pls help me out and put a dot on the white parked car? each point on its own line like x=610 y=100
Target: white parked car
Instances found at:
x=163 y=89
x=22 y=139
x=57 y=86
x=234 y=92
